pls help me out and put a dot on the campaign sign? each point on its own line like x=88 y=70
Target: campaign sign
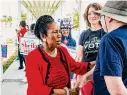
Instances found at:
x=4 y=51
x=28 y=44
x=65 y=23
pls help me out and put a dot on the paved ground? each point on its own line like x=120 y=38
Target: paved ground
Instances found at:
x=12 y=84
x=13 y=88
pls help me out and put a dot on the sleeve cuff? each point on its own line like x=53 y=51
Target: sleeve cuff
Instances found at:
x=88 y=68
x=52 y=92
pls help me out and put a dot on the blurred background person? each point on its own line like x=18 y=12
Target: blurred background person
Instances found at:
x=67 y=38
x=66 y=34
x=21 y=32
x=27 y=27
x=30 y=33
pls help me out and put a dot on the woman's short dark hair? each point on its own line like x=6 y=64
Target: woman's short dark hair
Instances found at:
x=97 y=6
x=22 y=23
x=41 y=26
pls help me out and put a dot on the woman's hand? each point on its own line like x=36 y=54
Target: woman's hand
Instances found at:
x=92 y=62
x=81 y=81
x=84 y=78
x=74 y=91
x=59 y=92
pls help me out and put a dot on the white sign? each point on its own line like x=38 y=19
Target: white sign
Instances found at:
x=28 y=44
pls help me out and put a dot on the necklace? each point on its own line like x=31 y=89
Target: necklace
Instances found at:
x=53 y=53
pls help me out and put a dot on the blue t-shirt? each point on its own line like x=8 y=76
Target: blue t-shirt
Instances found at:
x=70 y=41
x=90 y=41
x=111 y=59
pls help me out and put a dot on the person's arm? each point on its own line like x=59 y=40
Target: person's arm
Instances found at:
x=111 y=66
x=79 y=68
x=84 y=78
x=79 y=54
x=80 y=48
x=26 y=34
x=35 y=80
x=59 y=92
x=115 y=85
x=76 y=67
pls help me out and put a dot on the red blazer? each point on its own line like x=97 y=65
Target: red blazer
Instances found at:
x=36 y=69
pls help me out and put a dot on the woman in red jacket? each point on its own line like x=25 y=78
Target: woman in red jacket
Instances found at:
x=48 y=67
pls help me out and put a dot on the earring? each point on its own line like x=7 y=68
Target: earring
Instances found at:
x=44 y=40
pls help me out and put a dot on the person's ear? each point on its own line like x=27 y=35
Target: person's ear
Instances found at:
x=110 y=19
x=43 y=37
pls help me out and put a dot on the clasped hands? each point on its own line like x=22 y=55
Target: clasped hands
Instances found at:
x=73 y=91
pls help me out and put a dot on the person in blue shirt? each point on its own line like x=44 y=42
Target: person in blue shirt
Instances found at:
x=110 y=74
x=66 y=30
x=67 y=38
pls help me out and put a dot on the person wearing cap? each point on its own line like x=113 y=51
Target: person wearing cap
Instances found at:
x=66 y=38
x=111 y=63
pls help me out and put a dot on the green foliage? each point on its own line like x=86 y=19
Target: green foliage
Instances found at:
x=76 y=20
x=8 y=62
x=9 y=19
x=23 y=16
x=8 y=41
x=6 y=18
